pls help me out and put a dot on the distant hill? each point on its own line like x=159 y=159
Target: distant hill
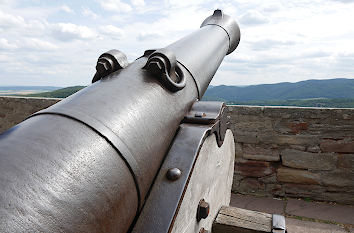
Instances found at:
x=336 y=93
x=21 y=88
x=60 y=93
x=316 y=102
x=331 y=88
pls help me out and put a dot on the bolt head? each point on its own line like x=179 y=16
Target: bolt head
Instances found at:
x=173 y=174
x=202 y=230
x=203 y=210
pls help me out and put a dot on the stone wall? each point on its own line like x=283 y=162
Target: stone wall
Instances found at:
x=280 y=151
x=294 y=152
x=13 y=110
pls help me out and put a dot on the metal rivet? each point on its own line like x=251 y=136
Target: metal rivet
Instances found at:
x=203 y=210
x=173 y=174
x=202 y=230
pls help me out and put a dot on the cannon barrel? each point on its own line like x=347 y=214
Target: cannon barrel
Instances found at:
x=86 y=163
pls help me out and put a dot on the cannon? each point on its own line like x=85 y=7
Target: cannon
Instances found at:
x=136 y=151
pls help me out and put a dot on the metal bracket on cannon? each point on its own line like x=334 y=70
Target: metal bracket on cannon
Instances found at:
x=194 y=179
x=208 y=113
x=110 y=62
x=163 y=64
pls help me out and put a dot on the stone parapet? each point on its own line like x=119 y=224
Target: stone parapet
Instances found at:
x=294 y=152
x=13 y=110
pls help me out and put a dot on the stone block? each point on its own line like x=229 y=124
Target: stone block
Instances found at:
x=346 y=161
x=289 y=175
x=333 y=130
x=247 y=110
x=254 y=123
x=250 y=185
x=303 y=140
x=303 y=190
x=260 y=152
x=296 y=113
x=314 y=149
x=246 y=137
x=298 y=127
x=346 y=116
x=339 y=197
x=306 y=160
x=235 y=185
x=339 y=178
x=271 y=179
x=238 y=150
x=337 y=189
x=274 y=189
x=297 y=147
x=320 y=193
x=254 y=168
x=341 y=146
x=236 y=181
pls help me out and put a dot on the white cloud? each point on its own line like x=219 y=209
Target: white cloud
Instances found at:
x=138 y=2
x=267 y=44
x=185 y=4
x=115 y=5
x=253 y=17
x=10 y=21
x=69 y=31
x=5 y=44
x=148 y=35
x=344 y=1
x=112 y=31
x=38 y=44
x=88 y=12
x=281 y=40
x=66 y=9
x=272 y=7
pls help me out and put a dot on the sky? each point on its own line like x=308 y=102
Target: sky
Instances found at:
x=57 y=43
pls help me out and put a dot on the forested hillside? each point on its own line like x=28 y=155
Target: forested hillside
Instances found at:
x=331 y=88
x=60 y=93
x=334 y=93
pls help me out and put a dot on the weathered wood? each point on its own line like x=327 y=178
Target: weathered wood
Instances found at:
x=211 y=180
x=237 y=220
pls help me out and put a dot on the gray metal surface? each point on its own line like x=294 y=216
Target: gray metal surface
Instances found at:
x=210 y=50
x=63 y=181
x=159 y=211
x=209 y=112
x=163 y=64
x=228 y=24
x=86 y=164
x=110 y=62
x=278 y=223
